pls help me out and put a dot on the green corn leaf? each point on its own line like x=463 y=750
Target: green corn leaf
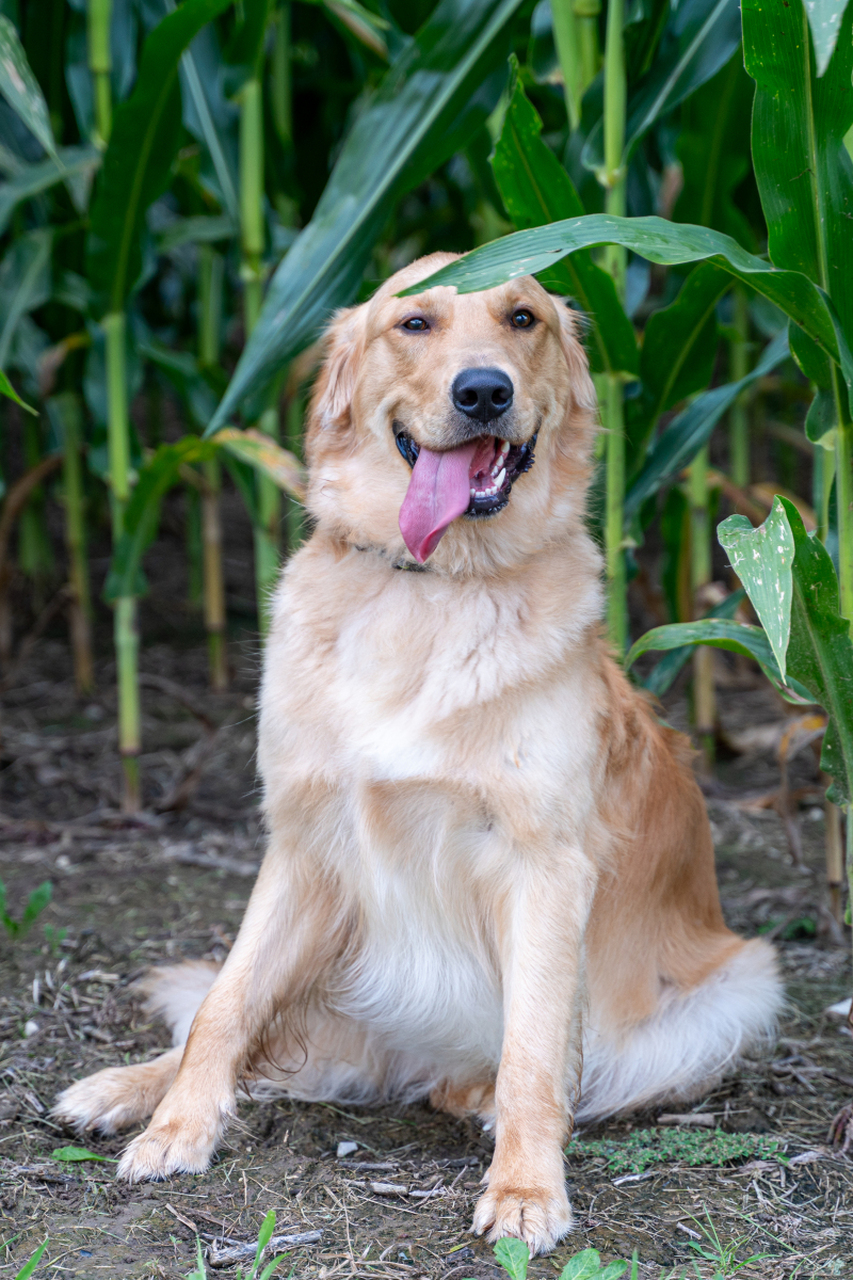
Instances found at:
x=367 y=27
x=198 y=230
x=24 y=282
x=162 y=471
x=535 y=190
x=699 y=38
x=20 y=87
x=825 y=21
x=6 y=389
x=265 y=456
x=426 y=108
x=678 y=354
x=539 y=249
x=662 y=675
x=513 y=1255
x=803 y=170
x=722 y=633
x=682 y=439
x=763 y=559
x=142 y=513
x=210 y=113
x=69 y=164
x=182 y=370
x=713 y=147
x=819 y=652
x=29 y=1267
x=144 y=141
x=75 y=1155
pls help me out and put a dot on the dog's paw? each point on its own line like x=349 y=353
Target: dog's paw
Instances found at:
x=105 y=1102
x=538 y=1215
x=171 y=1145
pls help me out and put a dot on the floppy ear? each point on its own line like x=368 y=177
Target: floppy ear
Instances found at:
x=333 y=391
x=583 y=391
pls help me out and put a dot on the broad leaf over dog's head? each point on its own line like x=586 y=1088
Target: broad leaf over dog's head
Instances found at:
x=430 y=413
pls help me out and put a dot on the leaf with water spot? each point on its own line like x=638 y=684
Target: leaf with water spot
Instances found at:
x=20 y=87
x=825 y=21
x=763 y=559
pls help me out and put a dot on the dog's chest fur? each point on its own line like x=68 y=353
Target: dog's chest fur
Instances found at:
x=442 y=762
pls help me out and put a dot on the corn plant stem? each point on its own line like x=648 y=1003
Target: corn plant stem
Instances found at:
x=834 y=855
x=35 y=552
x=586 y=15
x=823 y=474
x=281 y=96
x=252 y=237
x=214 y=582
x=614 y=261
x=612 y=417
x=75 y=542
x=100 y=65
x=704 y=707
x=126 y=638
x=211 y=276
x=739 y=418
x=844 y=496
x=567 y=42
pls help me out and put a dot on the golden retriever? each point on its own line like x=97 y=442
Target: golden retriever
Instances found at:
x=490 y=876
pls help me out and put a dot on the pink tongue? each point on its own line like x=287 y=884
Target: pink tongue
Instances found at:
x=439 y=491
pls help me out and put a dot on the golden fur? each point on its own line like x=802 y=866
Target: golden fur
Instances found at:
x=490 y=873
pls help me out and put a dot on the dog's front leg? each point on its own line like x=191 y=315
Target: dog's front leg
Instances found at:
x=284 y=940
x=541 y=947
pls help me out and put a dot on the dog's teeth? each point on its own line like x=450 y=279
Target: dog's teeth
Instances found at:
x=499 y=478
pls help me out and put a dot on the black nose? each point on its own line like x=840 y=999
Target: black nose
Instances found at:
x=482 y=393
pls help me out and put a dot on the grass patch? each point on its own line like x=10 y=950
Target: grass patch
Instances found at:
x=645 y=1147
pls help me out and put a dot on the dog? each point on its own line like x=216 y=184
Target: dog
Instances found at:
x=489 y=878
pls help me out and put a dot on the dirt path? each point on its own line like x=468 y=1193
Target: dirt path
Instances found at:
x=400 y=1203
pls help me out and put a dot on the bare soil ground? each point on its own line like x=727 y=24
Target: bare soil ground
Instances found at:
x=131 y=894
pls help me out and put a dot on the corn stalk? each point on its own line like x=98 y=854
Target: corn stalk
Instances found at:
x=210 y=281
x=252 y=237
x=614 y=261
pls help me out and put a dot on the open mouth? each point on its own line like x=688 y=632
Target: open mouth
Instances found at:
x=492 y=470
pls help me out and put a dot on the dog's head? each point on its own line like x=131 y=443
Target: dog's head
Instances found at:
x=430 y=412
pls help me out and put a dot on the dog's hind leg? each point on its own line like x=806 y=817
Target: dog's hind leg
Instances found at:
x=290 y=932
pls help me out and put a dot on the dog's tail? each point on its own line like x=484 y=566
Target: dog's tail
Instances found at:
x=175 y=992
x=693 y=1037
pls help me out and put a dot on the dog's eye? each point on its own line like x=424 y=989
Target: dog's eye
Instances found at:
x=522 y=319
x=415 y=324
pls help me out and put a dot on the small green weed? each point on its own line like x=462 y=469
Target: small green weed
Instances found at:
x=36 y=903
x=73 y=1154
x=29 y=1267
x=54 y=937
x=645 y=1147
x=723 y=1257
x=513 y=1255
x=264 y=1237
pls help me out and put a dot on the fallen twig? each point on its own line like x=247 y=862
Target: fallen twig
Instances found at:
x=239 y=1252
